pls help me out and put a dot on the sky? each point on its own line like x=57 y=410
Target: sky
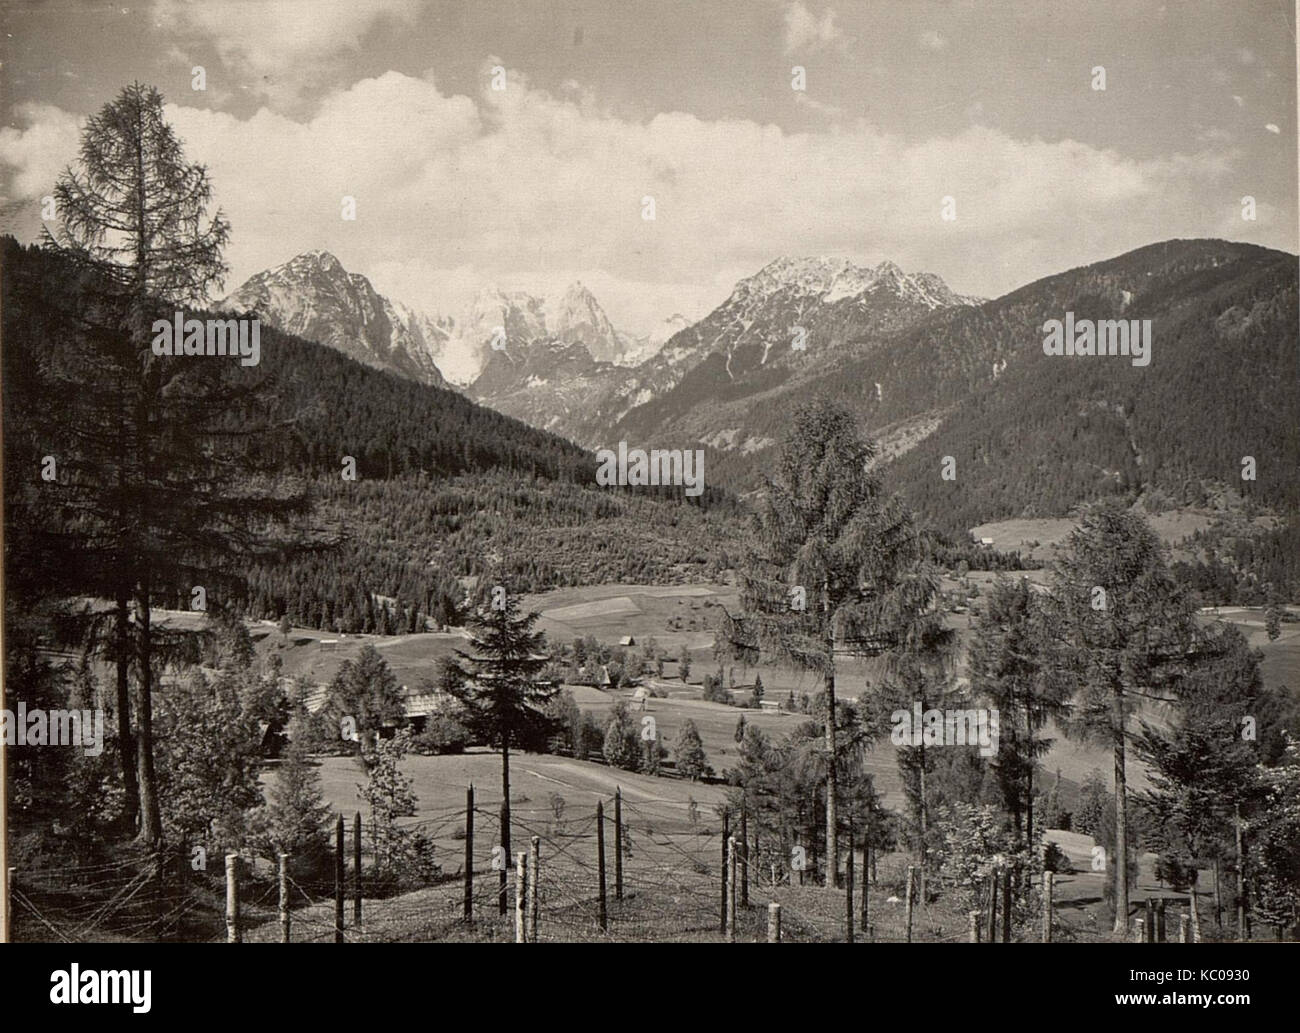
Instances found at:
x=460 y=186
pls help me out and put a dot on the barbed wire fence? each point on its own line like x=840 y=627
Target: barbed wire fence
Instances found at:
x=625 y=871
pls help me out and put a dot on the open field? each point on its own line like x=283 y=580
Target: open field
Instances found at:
x=670 y=864
x=612 y=611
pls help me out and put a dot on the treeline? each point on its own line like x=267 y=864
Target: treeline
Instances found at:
x=1253 y=569
x=427 y=546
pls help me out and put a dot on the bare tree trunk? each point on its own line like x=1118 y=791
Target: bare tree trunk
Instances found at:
x=505 y=816
x=125 y=740
x=1241 y=876
x=1121 y=817
x=924 y=829
x=1029 y=803
x=150 y=815
x=832 y=838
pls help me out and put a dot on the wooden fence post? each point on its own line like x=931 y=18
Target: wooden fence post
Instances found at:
x=503 y=877
x=973 y=926
x=994 y=879
x=866 y=885
x=1241 y=877
x=356 y=869
x=1184 y=928
x=1160 y=921
x=1047 y=907
x=1139 y=931
x=1196 y=917
x=535 y=859
x=731 y=889
x=1218 y=897
x=774 y=922
x=469 y=853
x=284 y=898
x=618 y=843
x=1150 y=924
x=233 y=934
x=600 y=861
x=521 y=897
x=1006 y=905
x=338 y=880
x=726 y=835
x=11 y=875
x=848 y=889
x=911 y=898
x=744 y=855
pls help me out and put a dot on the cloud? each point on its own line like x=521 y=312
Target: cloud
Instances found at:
x=525 y=187
x=281 y=54
x=805 y=32
x=1272 y=128
x=931 y=40
x=37 y=154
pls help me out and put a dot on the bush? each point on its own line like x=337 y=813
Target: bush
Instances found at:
x=591 y=737
x=442 y=734
x=622 y=743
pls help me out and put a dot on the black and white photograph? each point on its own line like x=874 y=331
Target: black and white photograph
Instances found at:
x=657 y=472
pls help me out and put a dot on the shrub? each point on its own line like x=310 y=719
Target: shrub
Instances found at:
x=443 y=734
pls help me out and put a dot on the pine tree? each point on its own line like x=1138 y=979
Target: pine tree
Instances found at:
x=1121 y=633
x=156 y=436
x=295 y=819
x=1200 y=765
x=1006 y=668
x=496 y=681
x=690 y=759
x=366 y=690
x=390 y=795
x=833 y=566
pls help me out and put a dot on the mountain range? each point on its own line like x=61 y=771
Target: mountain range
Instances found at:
x=313 y=296
x=931 y=374
x=560 y=364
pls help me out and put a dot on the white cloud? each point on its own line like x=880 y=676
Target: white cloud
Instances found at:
x=931 y=40
x=1272 y=128
x=280 y=52
x=37 y=154
x=524 y=188
x=805 y=32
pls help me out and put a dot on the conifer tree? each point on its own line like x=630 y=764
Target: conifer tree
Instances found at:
x=1006 y=668
x=160 y=463
x=497 y=682
x=833 y=567
x=1120 y=633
